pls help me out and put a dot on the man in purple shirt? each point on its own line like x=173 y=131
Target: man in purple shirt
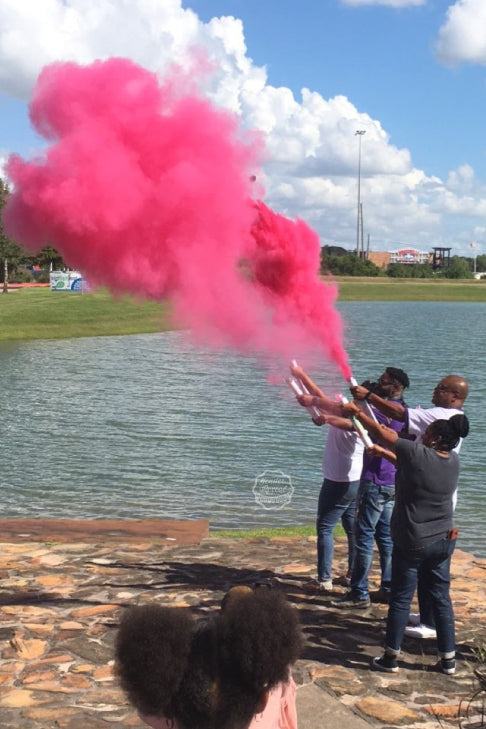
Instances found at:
x=374 y=504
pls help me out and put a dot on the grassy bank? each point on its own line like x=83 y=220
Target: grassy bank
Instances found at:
x=293 y=531
x=43 y=314
x=409 y=289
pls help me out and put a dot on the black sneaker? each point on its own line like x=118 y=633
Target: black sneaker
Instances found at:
x=385 y=663
x=447 y=665
x=351 y=600
x=382 y=596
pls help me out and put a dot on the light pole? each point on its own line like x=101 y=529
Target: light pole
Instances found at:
x=359 y=133
x=474 y=245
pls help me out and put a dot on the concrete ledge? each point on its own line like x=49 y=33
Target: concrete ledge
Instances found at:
x=317 y=708
x=170 y=532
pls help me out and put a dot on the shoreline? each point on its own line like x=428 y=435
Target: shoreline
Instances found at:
x=159 y=532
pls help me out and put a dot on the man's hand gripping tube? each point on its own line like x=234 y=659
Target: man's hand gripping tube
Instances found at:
x=298 y=387
x=354 y=383
x=360 y=429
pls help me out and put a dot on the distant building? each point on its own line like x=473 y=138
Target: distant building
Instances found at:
x=382 y=259
x=409 y=256
x=441 y=257
x=379 y=258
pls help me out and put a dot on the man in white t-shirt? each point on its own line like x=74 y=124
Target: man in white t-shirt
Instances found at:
x=448 y=399
x=342 y=464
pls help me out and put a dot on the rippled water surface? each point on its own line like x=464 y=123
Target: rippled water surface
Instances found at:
x=151 y=426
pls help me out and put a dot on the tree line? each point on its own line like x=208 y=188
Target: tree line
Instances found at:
x=19 y=265
x=345 y=263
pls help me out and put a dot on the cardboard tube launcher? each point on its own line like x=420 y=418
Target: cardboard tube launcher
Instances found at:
x=353 y=382
x=298 y=387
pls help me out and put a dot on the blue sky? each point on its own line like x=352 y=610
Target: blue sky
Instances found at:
x=410 y=72
x=381 y=58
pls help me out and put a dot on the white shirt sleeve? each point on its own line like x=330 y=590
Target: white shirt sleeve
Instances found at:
x=418 y=420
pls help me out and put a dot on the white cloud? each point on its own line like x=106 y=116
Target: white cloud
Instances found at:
x=311 y=167
x=387 y=3
x=461 y=180
x=463 y=35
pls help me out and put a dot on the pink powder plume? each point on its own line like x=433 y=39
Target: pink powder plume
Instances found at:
x=146 y=189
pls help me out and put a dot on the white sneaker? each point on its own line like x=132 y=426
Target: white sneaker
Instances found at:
x=421 y=631
x=317 y=586
x=414 y=619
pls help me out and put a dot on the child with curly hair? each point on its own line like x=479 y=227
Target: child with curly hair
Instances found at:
x=230 y=671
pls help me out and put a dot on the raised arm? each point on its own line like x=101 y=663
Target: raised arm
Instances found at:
x=326 y=405
x=378 y=450
x=388 y=407
x=338 y=421
x=325 y=402
x=388 y=436
x=310 y=385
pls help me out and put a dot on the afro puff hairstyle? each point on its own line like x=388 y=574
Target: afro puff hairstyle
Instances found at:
x=211 y=672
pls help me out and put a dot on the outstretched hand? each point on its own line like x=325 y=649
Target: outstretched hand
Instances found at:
x=380 y=452
x=349 y=409
x=305 y=400
x=297 y=370
x=376 y=450
x=358 y=392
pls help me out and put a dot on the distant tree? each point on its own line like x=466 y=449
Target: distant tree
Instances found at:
x=333 y=251
x=397 y=270
x=348 y=264
x=481 y=262
x=458 y=268
x=48 y=257
x=410 y=270
x=10 y=252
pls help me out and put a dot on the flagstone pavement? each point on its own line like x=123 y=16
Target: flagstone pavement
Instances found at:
x=64 y=585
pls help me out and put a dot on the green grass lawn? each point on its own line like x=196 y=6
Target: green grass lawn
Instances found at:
x=39 y=313
x=410 y=289
x=293 y=531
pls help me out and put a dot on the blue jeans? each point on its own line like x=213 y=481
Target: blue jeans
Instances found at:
x=432 y=566
x=374 y=506
x=336 y=501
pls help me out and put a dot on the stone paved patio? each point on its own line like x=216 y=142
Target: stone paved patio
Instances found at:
x=60 y=603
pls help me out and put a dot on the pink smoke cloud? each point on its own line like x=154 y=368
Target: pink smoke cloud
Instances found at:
x=147 y=189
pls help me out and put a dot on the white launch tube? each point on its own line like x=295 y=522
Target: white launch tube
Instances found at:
x=354 y=383
x=298 y=387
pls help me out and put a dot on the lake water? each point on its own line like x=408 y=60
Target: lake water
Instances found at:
x=149 y=426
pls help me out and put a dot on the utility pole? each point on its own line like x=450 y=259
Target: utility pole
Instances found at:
x=359 y=242
x=474 y=245
x=361 y=223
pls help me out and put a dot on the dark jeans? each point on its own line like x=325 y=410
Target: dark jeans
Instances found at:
x=432 y=564
x=425 y=604
x=336 y=501
x=374 y=507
